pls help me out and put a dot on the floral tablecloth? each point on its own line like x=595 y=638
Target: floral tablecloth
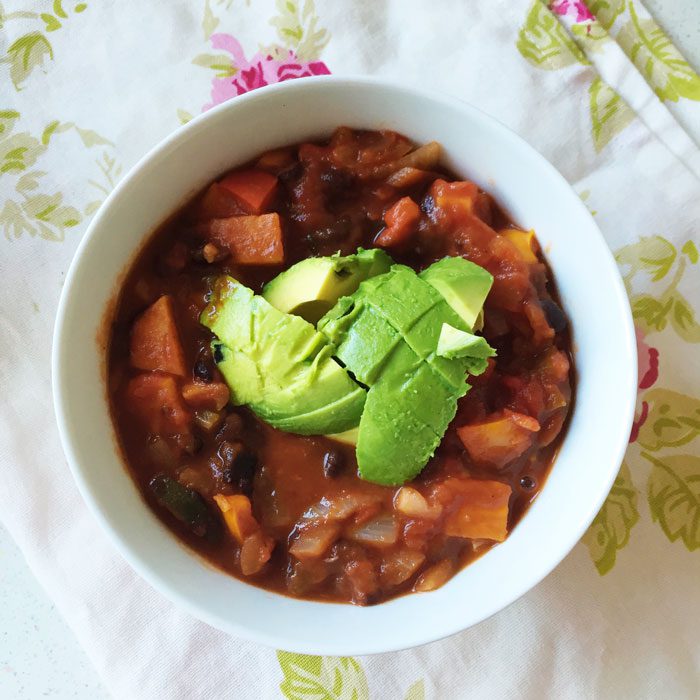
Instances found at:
x=87 y=87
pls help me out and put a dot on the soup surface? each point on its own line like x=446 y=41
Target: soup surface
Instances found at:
x=289 y=512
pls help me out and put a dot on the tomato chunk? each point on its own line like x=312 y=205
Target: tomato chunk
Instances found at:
x=454 y=197
x=251 y=240
x=254 y=189
x=156 y=401
x=500 y=439
x=155 y=342
x=484 y=512
x=401 y=219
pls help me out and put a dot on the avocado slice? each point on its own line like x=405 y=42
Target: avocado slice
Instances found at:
x=347 y=437
x=454 y=342
x=405 y=416
x=463 y=284
x=279 y=365
x=312 y=286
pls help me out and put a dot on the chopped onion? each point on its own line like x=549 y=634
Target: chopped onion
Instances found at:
x=256 y=551
x=434 y=577
x=207 y=420
x=400 y=566
x=380 y=531
x=314 y=540
x=410 y=502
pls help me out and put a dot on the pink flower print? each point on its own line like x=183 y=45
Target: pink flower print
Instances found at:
x=648 y=373
x=257 y=71
x=577 y=10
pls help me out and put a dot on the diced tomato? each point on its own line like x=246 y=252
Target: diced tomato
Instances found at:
x=218 y=203
x=455 y=198
x=255 y=552
x=210 y=397
x=156 y=401
x=251 y=240
x=511 y=276
x=483 y=513
x=254 y=189
x=499 y=439
x=401 y=219
x=155 y=342
x=542 y=332
x=238 y=515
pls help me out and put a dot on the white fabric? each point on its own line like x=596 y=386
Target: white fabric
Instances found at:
x=118 y=78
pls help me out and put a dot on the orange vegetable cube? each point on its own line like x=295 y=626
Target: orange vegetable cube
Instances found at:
x=155 y=342
x=209 y=397
x=484 y=513
x=454 y=197
x=238 y=515
x=500 y=439
x=254 y=189
x=156 y=401
x=524 y=241
x=401 y=219
x=218 y=203
x=251 y=240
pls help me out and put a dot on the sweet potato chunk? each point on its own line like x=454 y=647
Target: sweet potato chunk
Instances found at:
x=155 y=400
x=251 y=240
x=209 y=397
x=253 y=189
x=500 y=439
x=484 y=512
x=238 y=515
x=401 y=219
x=218 y=203
x=155 y=342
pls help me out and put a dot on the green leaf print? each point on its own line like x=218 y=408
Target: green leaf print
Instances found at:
x=609 y=113
x=683 y=319
x=221 y=63
x=543 y=41
x=674 y=497
x=690 y=249
x=321 y=677
x=650 y=313
x=673 y=420
x=654 y=255
x=658 y=59
x=209 y=22
x=297 y=28
x=610 y=530
x=416 y=691
x=606 y=11
x=18 y=152
x=25 y=54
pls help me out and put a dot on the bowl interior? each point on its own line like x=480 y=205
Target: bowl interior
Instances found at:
x=536 y=196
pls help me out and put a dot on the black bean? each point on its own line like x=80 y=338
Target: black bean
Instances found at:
x=229 y=451
x=202 y=371
x=245 y=465
x=527 y=482
x=218 y=353
x=555 y=316
x=333 y=463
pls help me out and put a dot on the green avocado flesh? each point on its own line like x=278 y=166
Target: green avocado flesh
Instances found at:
x=312 y=286
x=384 y=367
x=463 y=285
x=279 y=365
x=386 y=334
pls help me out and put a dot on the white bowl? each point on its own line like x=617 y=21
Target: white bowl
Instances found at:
x=475 y=146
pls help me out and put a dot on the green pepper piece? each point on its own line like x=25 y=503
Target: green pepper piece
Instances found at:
x=185 y=504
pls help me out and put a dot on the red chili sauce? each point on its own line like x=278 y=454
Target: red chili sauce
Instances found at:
x=304 y=523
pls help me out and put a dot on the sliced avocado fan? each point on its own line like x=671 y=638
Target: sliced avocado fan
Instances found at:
x=279 y=365
x=387 y=334
x=385 y=366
